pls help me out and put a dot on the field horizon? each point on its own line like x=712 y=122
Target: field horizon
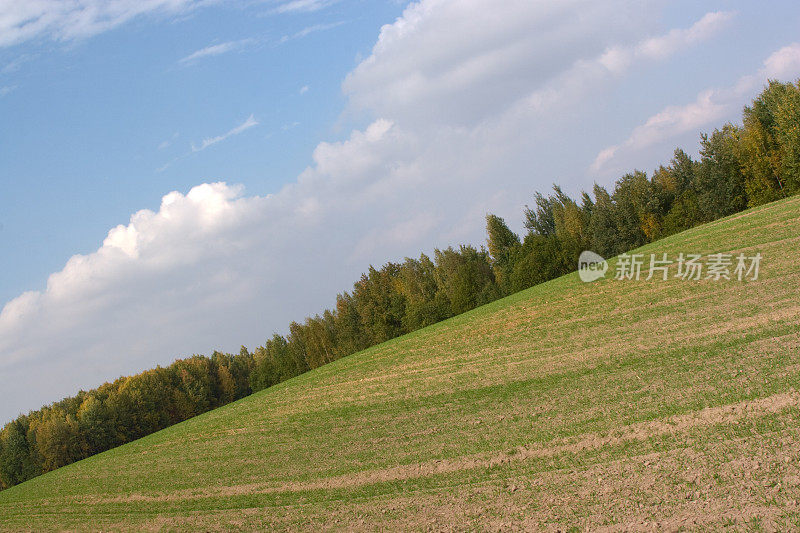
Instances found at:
x=618 y=404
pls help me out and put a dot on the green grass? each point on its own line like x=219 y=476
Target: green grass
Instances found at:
x=567 y=405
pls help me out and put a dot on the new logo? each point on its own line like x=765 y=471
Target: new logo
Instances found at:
x=591 y=266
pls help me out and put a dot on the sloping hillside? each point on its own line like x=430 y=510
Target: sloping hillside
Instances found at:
x=611 y=404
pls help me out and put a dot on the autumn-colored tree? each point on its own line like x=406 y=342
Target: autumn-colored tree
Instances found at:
x=58 y=440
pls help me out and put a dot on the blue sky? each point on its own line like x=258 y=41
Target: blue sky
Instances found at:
x=307 y=139
x=101 y=106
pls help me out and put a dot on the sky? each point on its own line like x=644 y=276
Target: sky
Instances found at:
x=180 y=176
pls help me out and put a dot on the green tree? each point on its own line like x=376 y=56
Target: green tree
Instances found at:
x=720 y=182
x=501 y=243
x=240 y=367
x=760 y=154
x=272 y=364
x=783 y=99
x=96 y=423
x=633 y=220
x=58 y=439
x=16 y=462
x=540 y=219
x=571 y=224
x=350 y=334
x=539 y=259
x=602 y=224
x=684 y=214
x=417 y=283
x=380 y=305
x=295 y=353
x=465 y=278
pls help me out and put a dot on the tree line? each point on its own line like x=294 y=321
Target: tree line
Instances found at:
x=740 y=166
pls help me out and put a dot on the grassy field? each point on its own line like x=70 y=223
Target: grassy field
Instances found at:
x=612 y=405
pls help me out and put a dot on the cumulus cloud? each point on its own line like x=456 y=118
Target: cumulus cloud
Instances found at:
x=489 y=53
x=451 y=91
x=210 y=141
x=462 y=62
x=214 y=268
x=711 y=107
x=61 y=20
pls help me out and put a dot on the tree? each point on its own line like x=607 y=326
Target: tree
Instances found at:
x=58 y=440
x=602 y=225
x=631 y=196
x=674 y=187
x=684 y=214
x=240 y=367
x=350 y=334
x=96 y=424
x=540 y=220
x=760 y=155
x=16 y=463
x=272 y=364
x=720 y=182
x=380 y=305
x=571 y=224
x=319 y=340
x=501 y=243
x=465 y=278
x=785 y=100
x=225 y=385
x=539 y=259
x=193 y=387
x=417 y=283
x=683 y=168
x=294 y=353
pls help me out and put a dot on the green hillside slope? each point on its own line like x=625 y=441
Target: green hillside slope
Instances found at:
x=615 y=404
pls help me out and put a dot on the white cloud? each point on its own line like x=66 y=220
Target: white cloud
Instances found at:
x=619 y=58
x=250 y=122
x=21 y=21
x=166 y=143
x=306 y=6
x=304 y=89
x=711 y=108
x=678 y=39
x=467 y=101
x=15 y=64
x=308 y=30
x=584 y=76
x=6 y=89
x=461 y=62
x=784 y=63
x=215 y=50
x=209 y=141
